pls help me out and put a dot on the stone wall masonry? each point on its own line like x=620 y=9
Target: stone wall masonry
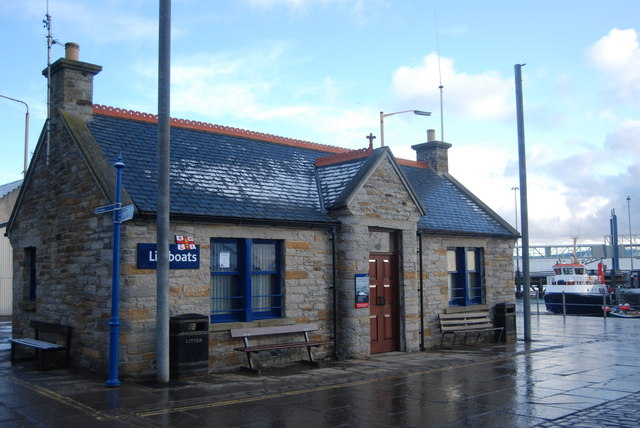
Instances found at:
x=73 y=256
x=499 y=281
x=382 y=202
x=307 y=289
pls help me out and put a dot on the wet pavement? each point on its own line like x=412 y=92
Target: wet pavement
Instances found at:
x=577 y=371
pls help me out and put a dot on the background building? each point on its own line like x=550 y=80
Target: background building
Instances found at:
x=8 y=195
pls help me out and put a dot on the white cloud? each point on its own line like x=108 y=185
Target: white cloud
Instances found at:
x=616 y=51
x=575 y=190
x=250 y=89
x=626 y=139
x=481 y=96
x=617 y=55
x=235 y=84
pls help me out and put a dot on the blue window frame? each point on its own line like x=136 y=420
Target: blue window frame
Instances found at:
x=246 y=279
x=466 y=276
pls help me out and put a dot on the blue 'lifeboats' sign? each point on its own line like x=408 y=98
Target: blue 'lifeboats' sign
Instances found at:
x=178 y=259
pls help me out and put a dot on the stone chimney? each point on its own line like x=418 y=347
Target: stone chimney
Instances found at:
x=72 y=83
x=434 y=153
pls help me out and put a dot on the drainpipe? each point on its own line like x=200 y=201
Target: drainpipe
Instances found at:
x=421 y=291
x=334 y=259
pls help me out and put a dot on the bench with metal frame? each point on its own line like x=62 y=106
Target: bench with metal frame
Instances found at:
x=42 y=347
x=252 y=332
x=467 y=323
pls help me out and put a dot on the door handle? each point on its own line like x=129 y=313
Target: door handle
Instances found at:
x=381 y=301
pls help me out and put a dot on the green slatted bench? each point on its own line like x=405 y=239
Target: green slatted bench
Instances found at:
x=277 y=331
x=41 y=347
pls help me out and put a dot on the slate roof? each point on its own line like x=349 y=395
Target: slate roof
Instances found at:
x=215 y=175
x=452 y=208
x=227 y=176
x=334 y=179
x=7 y=188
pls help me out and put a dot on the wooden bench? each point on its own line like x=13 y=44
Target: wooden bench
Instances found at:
x=41 y=346
x=304 y=329
x=467 y=323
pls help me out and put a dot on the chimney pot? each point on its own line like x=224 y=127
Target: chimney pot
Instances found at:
x=431 y=135
x=72 y=51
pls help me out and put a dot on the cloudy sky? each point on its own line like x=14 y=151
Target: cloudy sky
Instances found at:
x=322 y=70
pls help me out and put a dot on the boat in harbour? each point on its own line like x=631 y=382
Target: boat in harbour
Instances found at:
x=571 y=290
x=623 y=310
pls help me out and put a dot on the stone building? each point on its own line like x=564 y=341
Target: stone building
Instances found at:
x=370 y=247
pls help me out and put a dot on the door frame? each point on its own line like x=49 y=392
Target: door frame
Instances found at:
x=395 y=306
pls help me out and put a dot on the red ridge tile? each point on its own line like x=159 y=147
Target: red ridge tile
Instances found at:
x=218 y=129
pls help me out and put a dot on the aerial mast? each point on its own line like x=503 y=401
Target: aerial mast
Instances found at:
x=441 y=87
x=50 y=42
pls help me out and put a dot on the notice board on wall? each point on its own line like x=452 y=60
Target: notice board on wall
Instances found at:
x=362 y=290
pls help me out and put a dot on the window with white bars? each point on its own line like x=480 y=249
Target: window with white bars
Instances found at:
x=465 y=267
x=246 y=279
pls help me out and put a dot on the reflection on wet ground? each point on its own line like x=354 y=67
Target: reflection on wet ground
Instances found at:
x=577 y=371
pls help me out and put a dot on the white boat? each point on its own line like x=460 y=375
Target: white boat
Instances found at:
x=572 y=290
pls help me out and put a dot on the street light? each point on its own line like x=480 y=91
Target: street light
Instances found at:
x=26 y=132
x=383 y=115
x=630 y=235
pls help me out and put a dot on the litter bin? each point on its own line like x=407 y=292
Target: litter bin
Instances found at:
x=189 y=345
x=505 y=316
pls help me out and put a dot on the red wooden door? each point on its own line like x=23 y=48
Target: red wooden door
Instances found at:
x=383 y=303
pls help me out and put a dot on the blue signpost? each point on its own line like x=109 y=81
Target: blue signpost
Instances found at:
x=114 y=322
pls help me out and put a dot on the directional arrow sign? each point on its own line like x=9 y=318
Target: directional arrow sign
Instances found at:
x=126 y=213
x=105 y=209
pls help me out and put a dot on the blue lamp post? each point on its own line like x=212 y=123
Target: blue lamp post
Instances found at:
x=114 y=322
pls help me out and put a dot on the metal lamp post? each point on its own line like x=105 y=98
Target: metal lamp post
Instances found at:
x=383 y=115
x=114 y=322
x=524 y=210
x=630 y=235
x=515 y=205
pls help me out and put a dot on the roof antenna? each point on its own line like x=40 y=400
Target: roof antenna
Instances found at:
x=435 y=12
x=50 y=42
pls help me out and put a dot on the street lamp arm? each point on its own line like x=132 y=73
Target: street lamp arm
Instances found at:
x=18 y=101
x=383 y=115
x=416 y=112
